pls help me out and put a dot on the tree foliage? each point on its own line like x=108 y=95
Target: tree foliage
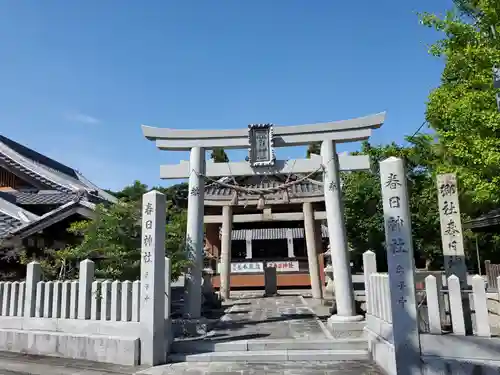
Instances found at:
x=113 y=238
x=363 y=203
x=218 y=155
x=463 y=110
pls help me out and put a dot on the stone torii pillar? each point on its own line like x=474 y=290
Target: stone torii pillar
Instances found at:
x=312 y=251
x=226 y=239
x=194 y=233
x=344 y=293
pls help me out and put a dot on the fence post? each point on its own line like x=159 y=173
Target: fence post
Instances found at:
x=401 y=265
x=433 y=304
x=33 y=276
x=85 y=277
x=481 y=307
x=153 y=348
x=369 y=267
x=456 y=308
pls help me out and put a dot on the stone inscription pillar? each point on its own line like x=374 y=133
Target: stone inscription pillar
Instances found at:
x=312 y=251
x=401 y=266
x=452 y=238
x=194 y=233
x=226 y=239
x=344 y=293
x=451 y=227
x=152 y=313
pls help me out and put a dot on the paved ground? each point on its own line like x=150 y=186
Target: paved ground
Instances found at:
x=287 y=368
x=281 y=317
x=248 y=316
x=20 y=364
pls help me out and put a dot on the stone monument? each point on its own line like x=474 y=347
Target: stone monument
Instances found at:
x=152 y=313
x=399 y=245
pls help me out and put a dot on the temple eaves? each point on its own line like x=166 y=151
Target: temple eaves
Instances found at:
x=357 y=129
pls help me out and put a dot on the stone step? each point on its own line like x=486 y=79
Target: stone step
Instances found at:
x=273 y=356
x=205 y=346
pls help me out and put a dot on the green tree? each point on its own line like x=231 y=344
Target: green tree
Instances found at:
x=113 y=238
x=132 y=193
x=313 y=148
x=218 y=155
x=113 y=241
x=363 y=204
x=463 y=110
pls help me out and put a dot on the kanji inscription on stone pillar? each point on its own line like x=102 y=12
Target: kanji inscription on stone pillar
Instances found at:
x=451 y=227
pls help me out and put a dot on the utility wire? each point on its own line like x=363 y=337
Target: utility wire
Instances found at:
x=416 y=131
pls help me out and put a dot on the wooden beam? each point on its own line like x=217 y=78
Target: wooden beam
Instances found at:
x=249 y=218
x=346 y=162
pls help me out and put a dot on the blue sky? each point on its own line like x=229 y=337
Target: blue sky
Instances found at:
x=77 y=78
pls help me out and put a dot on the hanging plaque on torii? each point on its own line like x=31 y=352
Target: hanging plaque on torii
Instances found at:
x=261 y=141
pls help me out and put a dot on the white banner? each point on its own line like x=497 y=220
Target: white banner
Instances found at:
x=247 y=267
x=284 y=266
x=258 y=267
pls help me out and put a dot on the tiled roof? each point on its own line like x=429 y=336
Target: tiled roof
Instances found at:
x=42 y=197
x=8 y=223
x=51 y=214
x=12 y=217
x=46 y=171
x=484 y=221
x=272 y=233
x=305 y=188
x=65 y=187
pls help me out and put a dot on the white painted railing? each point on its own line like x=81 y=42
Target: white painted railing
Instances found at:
x=380 y=297
x=78 y=299
x=378 y=303
x=478 y=299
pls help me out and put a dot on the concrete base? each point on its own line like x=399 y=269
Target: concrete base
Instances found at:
x=206 y=346
x=108 y=349
x=273 y=356
x=192 y=327
x=346 y=326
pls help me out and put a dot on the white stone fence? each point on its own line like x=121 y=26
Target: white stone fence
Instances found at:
x=84 y=319
x=438 y=302
x=439 y=351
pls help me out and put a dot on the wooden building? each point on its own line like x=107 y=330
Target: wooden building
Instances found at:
x=40 y=197
x=270 y=235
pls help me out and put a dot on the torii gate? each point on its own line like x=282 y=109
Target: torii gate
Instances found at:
x=261 y=139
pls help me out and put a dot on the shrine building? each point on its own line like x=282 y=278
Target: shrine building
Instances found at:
x=266 y=233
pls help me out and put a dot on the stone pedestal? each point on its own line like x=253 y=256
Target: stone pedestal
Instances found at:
x=210 y=298
x=270 y=281
x=330 y=285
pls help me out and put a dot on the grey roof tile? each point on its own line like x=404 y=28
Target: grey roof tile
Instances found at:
x=48 y=172
x=12 y=217
x=43 y=197
x=8 y=223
